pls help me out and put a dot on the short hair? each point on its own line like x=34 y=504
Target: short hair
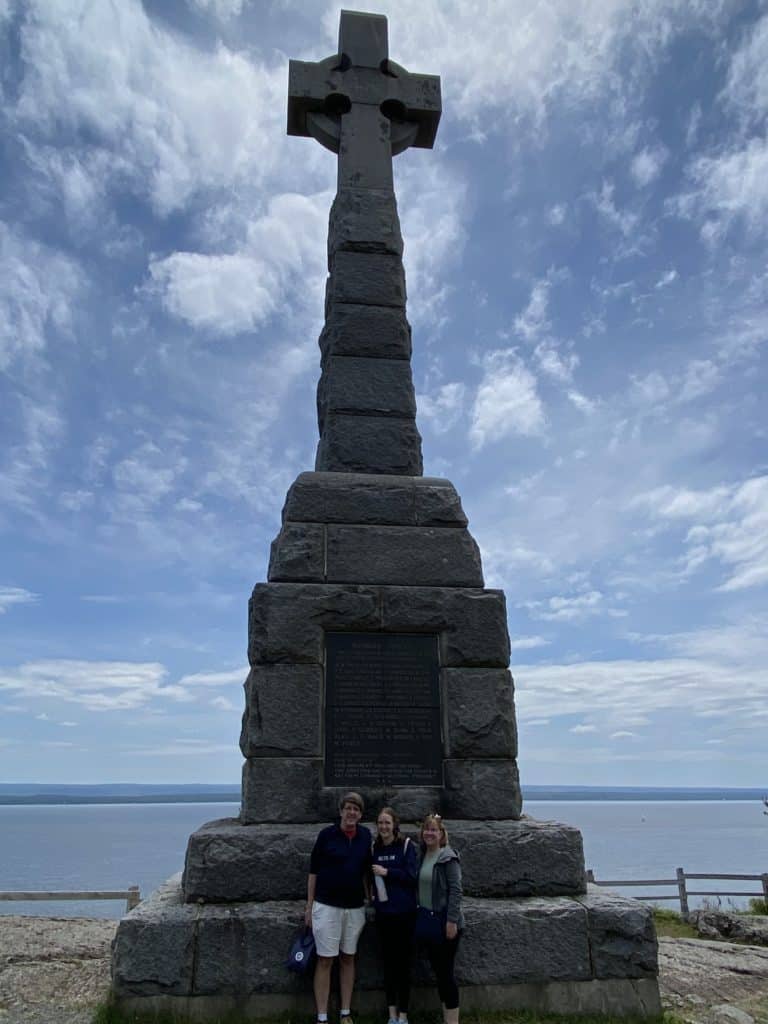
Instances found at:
x=352 y=798
x=437 y=820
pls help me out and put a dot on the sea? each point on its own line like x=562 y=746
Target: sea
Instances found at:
x=47 y=847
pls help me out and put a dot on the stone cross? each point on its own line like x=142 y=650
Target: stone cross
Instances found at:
x=362 y=105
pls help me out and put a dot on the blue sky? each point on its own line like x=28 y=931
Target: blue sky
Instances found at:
x=587 y=277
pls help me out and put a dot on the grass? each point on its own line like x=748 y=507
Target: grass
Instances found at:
x=670 y=924
x=758 y=907
x=111 y=1015
x=108 y=1014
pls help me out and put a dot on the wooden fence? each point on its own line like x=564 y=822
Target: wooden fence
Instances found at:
x=683 y=892
x=131 y=895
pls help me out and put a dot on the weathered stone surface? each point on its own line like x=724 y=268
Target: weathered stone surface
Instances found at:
x=380 y=332
x=473 y=623
x=622 y=935
x=369 y=444
x=239 y=948
x=298 y=553
x=229 y=862
x=280 y=789
x=717 y=924
x=367 y=279
x=368 y=499
x=287 y=620
x=364 y=220
x=373 y=387
x=488 y=790
x=282 y=711
x=154 y=949
x=408 y=555
x=480 y=711
x=528 y=939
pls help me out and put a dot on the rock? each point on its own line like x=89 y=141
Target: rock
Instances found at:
x=365 y=279
x=409 y=555
x=364 y=220
x=711 y=973
x=485 y=789
x=287 y=620
x=381 y=332
x=622 y=935
x=283 y=710
x=369 y=444
x=725 y=1014
x=281 y=789
x=372 y=387
x=718 y=924
x=480 y=713
x=228 y=861
x=298 y=554
x=368 y=499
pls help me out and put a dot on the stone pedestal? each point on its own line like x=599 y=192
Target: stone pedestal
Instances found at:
x=592 y=953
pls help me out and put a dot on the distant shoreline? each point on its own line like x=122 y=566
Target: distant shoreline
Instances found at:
x=42 y=794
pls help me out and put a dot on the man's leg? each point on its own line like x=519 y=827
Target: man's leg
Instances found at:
x=322 y=982
x=346 y=979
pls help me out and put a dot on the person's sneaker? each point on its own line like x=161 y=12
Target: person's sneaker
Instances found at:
x=393 y=1020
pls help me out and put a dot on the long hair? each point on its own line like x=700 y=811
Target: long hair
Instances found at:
x=395 y=825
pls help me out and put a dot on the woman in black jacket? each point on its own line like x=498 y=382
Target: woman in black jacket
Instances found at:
x=439 y=894
x=395 y=865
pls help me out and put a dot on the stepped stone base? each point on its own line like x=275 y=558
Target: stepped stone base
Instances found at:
x=230 y=862
x=593 y=953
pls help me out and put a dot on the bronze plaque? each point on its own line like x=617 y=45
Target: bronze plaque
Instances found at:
x=382 y=710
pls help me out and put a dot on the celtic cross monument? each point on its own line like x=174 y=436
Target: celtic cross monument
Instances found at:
x=378 y=660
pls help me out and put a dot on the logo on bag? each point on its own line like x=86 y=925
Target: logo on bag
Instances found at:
x=298 y=956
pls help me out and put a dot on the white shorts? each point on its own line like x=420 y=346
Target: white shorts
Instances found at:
x=336 y=928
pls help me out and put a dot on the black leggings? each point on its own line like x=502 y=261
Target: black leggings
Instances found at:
x=396 y=935
x=441 y=958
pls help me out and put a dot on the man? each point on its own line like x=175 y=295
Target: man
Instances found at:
x=337 y=889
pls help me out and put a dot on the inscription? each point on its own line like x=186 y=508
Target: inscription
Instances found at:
x=382 y=710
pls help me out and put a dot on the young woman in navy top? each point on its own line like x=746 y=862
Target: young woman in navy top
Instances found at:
x=395 y=871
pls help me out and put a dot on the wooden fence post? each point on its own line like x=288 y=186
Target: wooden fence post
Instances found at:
x=134 y=898
x=590 y=875
x=682 y=892
x=764 y=880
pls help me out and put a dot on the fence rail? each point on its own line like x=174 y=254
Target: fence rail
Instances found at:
x=683 y=892
x=131 y=895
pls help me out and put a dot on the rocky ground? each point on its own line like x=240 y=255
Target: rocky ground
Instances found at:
x=57 y=970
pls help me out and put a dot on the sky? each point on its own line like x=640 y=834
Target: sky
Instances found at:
x=585 y=251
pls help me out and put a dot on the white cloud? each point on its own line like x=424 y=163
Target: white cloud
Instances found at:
x=95 y=685
x=38 y=288
x=556 y=214
x=442 y=408
x=507 y=401
x=227 y=678
x=646 y=165
x=568 y=609
x=582 y=727
x=174 y=119
x=611 y=688
x=729 y=525
x=533 y=322
x=667 y=279
x=729 y=187
x=222 y=704
x=625 y=221
x=10 y=596
x=228 y=293
x=622 y=734
x=221 y=9
x=526 y=643
x=746 y=89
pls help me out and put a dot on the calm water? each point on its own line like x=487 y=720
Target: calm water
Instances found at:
x=111 y=846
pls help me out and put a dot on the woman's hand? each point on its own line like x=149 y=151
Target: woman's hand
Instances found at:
x=379 y=870
x=308 y=915
x=451 y=930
